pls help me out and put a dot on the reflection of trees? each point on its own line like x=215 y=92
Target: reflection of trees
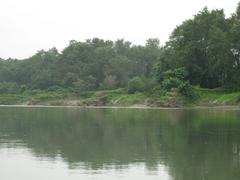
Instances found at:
x=202 y=146
x=193 y=144
x=96 y=137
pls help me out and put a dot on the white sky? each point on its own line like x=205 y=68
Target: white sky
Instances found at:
x=30 y=25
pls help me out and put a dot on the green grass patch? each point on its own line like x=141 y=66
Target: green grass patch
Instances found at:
x=120 y=97
x=218 y=97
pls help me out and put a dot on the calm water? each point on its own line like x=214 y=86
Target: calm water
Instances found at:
x=72 y=143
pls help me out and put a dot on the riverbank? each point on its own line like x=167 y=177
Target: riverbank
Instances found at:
x=120 y=98
x=230 y=108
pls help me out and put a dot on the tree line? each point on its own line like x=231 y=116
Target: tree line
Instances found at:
x=203 y=51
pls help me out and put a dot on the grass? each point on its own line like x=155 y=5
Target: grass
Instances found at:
x=6 y=99
x=218 y=97
x=115 y=97
x=128 y=99
x=120 y=97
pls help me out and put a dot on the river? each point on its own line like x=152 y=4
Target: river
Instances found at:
x=106 y=144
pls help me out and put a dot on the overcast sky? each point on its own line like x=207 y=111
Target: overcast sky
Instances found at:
x=30 y=25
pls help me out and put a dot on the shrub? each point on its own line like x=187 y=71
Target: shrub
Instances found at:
x=23 y=88
x=232 y=87
x=238 y=99
x=69 y=79
x=137 y=84
x=87 y=84
x=179 y=73
x=56 y=89
x=110 y=82
x=9 y=88
x=186 y=89
x=170 y=83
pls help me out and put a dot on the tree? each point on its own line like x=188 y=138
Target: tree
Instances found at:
x=137 y=84
x=196 y=46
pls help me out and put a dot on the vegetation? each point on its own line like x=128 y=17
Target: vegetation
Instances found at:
x=203 y=52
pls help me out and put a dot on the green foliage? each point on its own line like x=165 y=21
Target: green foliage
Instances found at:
x=170 y=83
x=186 y=89
x=23 y=88
x=207 y=46
x=42 y=80
x=204 y=50
x=69 y=79
x=90 y=65
x=217 y=96
x=56 y=89
x=232 y=87
x=109 y=82
x=87 y=84
x=238 y=99
x=179 y=73
x=137 y=84
x=9 y=88
x=157 y=72
x=175 y=79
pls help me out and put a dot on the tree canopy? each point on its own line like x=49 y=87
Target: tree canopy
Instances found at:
x=207 y=47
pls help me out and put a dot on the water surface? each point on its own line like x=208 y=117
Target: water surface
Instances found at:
x=74 y=143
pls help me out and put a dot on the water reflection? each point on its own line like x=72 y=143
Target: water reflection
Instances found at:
x=181 y=144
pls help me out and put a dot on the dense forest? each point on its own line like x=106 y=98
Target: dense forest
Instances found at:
x=201 y=52
x=91 y=65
